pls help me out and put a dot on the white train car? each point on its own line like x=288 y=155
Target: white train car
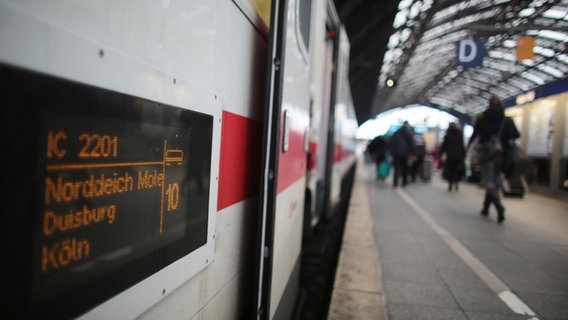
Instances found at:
x=331 y=152
x=160 y=154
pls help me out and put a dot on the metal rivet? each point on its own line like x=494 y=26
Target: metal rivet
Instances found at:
x=101 y=53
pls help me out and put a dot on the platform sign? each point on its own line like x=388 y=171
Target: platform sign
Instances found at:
x=116 y=188
x=470 y=53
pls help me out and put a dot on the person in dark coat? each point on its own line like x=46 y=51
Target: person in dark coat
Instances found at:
x=417 y=167
x=401 y=147
x=377 y=149
x=454 y=149
x=488 y=124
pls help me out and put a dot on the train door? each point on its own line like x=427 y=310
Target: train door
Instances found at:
x=325 y=136
x=322 y=91
x=285 y=160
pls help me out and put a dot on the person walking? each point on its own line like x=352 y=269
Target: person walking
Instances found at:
x=417 y=167
x=377 y=150
x=493 y=123
x=401 y=147
x=454 y=149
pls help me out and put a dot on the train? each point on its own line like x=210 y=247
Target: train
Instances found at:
x=166 y=159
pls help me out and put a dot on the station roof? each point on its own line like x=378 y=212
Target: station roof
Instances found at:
x=413 y=42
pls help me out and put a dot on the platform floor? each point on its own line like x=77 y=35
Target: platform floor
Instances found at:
x=421 y=252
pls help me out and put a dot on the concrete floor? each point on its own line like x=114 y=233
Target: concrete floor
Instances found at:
x=422 y=252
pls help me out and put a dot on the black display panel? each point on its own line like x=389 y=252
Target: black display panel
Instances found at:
x=105 y=189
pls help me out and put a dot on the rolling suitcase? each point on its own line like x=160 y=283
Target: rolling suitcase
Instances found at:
x=383 y=170
x=513 y=186
x=427 y=165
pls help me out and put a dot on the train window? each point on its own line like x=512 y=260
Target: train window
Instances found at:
x=303 y=17
x=107 y=189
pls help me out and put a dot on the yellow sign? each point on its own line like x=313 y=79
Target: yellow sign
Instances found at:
x=262 y=7
x=525 y=47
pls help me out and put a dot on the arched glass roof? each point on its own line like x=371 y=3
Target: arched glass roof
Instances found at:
x=421 y=54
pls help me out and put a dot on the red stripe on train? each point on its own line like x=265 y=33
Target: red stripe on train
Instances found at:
x=240 y=159
x=339 y=153
x=239 y=167
x=313 y=156
x=292 y=163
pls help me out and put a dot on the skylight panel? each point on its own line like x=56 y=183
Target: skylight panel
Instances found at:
x=544 y=51
x=403 y=4
x=510 y=89
x=388 y=56
x=491 y=72
x=405 y=34
x=555 y=13
x=415 y=10
x=400 y=19
x=551 y=71
x=521 y=84
x=427 y=4
x=479 y=98
x=463 y=5
x=562 y=67
x=553 y=35
x=508 y=68
x=509 y=44
x=500 y=92
x=496 y=54
x=537 y=3
x=396 y=53
x=535 y=71
x=393 y=41
x=534 y=78
x=562 y=58
x=477 y=85
x=532 y=32
x=526 y=12
x=528 y=63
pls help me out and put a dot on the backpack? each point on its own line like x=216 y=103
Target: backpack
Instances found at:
x=491 y=148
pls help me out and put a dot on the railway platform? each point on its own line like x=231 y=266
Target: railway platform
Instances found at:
x=421 y=252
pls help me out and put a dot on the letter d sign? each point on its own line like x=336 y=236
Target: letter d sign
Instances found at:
x=470 y=53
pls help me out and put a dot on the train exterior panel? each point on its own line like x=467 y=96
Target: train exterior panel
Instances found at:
x=283 y=270
x=175 y=91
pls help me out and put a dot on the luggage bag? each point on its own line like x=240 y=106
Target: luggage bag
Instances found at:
x=513 y=186
x=383 y=170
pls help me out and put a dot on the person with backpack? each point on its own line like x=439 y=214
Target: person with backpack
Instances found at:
x=401 y=147
x=491 y=135
x=454 y=150
x=378 y=152
x=417 y=167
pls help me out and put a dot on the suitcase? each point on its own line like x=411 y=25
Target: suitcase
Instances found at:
x=513 y=186
x=383 y=170
x=427 y=166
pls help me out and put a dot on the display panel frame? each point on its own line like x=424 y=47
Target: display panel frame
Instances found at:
x=32 y=98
